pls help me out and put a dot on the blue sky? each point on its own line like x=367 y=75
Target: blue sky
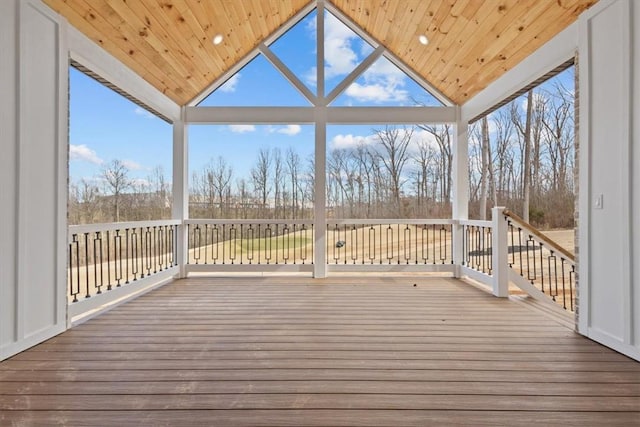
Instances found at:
x=105 y=126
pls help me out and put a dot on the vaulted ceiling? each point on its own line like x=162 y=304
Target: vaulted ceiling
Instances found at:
x=471 y=42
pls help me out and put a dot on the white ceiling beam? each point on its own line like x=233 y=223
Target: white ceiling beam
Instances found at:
x=306 y=115
x=320 y=53
x=361 y=68
x=391 y=115
x=250 y=115
x=287 y=73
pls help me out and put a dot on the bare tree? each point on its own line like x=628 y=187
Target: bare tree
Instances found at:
x=486 y=159
x=293 y=169
x=219 y=174
x=393 y=156
x=260 y=174
x=526 y=179
x=278 y=179
x=116 y=178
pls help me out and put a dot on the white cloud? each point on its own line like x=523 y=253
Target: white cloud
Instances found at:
x=376 y=93
x=290 y=130
x=231 y=84
x=132 y=165
x=383 y=82
x=242 y=128
x=84 y=153
x=340 y=57
x=144 y=113
x=350 y=141
x=339 y=54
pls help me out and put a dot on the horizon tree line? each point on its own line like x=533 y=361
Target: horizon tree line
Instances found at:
x=521 y=156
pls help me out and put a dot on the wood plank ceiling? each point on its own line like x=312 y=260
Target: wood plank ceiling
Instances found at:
x=471 y=42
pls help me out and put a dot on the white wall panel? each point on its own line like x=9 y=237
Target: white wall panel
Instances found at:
x=607 y=149
x=34 y=110
x=608 y=186
x=8 y=133
x=39 y=68
x=635 y=173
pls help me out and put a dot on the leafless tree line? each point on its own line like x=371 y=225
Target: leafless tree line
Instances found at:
x=114 y=196
x=280 y=185
x=521 y=157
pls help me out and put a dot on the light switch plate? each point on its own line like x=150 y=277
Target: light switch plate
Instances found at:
x=599 y=201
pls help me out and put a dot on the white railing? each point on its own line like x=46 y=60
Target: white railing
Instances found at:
x=484 y=251
x=249 y=245
x=107 y=262
x=389 y=245
x=104 y=259
x=538 y=265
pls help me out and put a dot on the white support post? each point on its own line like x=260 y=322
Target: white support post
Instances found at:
x=320 y=199
x=460 y=202
x=500 y=253
x=180 y=191
x=320 y=192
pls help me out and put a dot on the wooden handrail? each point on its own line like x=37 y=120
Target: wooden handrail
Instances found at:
x=540 y=235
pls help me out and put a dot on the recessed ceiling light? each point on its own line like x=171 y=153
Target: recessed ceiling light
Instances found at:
x=217 y=39
x=423 y=39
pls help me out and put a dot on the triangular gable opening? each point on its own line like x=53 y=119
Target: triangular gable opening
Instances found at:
x=344 y=50
x=296 y=48
x=246 y=88
x=385 y=84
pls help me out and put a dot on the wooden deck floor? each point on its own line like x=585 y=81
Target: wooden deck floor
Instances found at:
x=289 y=351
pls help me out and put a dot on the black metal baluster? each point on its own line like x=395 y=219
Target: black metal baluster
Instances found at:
x=132 y=245
x=303 y=248
x=564 y=291
x=86 y=258
x=490 y=249
x=268 y=232
x=571 y=282
x=389 y=243
x=250 y=243
x=147 y=244
x=286 y=243
x=233 y=235
x=372 y=238
x=76 y=243
x=197 y=235
x=553 y=276
x=353 y=243
x=242 y=243
x=97 y=261
x=117 y=246
x=407 y=244
x=126 y=254
x=542 y=270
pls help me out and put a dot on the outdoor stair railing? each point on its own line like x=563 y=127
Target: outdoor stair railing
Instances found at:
x=538 y=265
x=513 y=257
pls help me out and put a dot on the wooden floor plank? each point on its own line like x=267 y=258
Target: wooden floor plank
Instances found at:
x=341 y=351
x=317 y=418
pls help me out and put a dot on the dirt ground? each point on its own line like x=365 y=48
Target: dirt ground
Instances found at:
x=565 y=238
